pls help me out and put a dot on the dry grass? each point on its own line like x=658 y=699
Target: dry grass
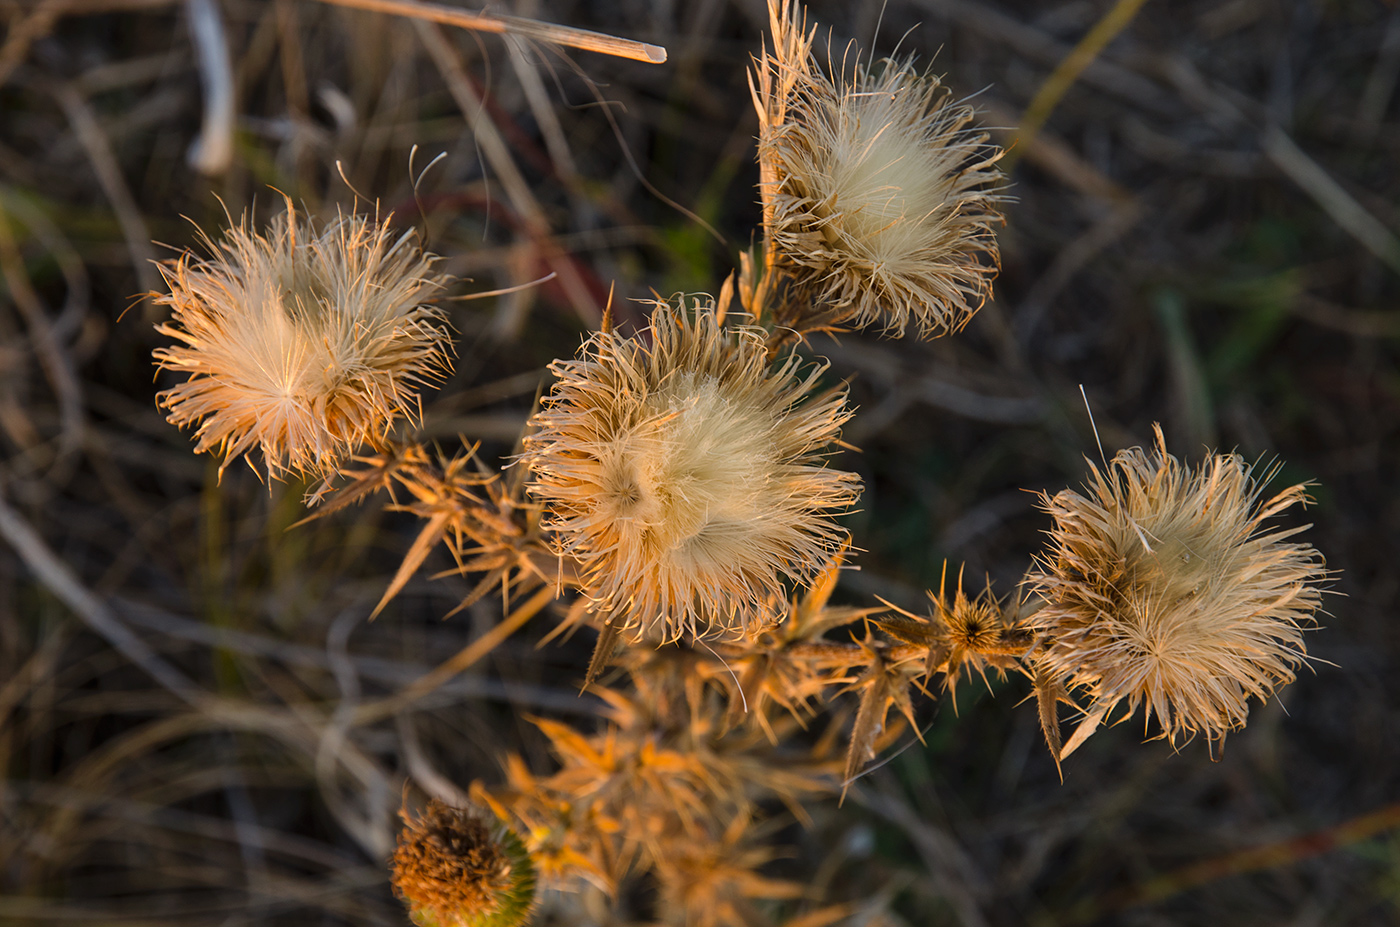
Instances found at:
x=197 y=724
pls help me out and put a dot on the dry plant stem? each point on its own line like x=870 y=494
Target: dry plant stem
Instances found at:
x=212 y=151
x=87 y=801
x=497 y=154
x=1068 y=71
x=1255 y=859
x=1380 y=86
x=57 y=364
x=954 y=873
x=513 y=25
x=771 y=83
x=59 y=579
x=542 y=108
x=466 y=657
x=1364 y=323
x=1123 y=82
x=56 y=576
x=1330 y=195
x=421 y=769
x=1285 y=154
x=301 y=730
x=77 y=298
x=1078 y=254
x=1052 y=154
x=24 y=31
x=388 y=672
x=1037 y=45
x=42 y=17
x=109 y=175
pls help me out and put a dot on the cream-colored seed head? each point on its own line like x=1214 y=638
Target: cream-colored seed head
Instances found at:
x=686 y=476
x=302 y=343
x=1163 y=587
x=881 y=196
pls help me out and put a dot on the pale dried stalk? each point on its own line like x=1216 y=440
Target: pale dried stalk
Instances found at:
x=513 y=25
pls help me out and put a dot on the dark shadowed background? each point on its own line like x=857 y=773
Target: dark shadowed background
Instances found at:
x=1204 y=234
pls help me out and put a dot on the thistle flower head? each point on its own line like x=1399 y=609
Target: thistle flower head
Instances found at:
x=456 y=867
x=1164 y=587
x=877 y=194
x=685 y=476
x=302 y=343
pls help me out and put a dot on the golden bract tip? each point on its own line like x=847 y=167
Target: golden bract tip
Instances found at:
x=686 y=476
x=459 y=867
x=878 y=197
x=304 y=344
x=1163 y=587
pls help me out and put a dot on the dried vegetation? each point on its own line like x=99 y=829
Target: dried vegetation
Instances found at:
x=779 y=726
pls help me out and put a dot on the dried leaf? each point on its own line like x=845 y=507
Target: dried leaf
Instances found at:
x=917 y=633
x=1086 y=728
x=1048 y=693
x=427 y=539
x=602 y=651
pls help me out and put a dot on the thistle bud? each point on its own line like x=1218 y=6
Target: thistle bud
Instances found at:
x=456 y=867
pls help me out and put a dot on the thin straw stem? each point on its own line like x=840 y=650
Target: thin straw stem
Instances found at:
x=513 y=25
x=1067 y=72
x=462 y=660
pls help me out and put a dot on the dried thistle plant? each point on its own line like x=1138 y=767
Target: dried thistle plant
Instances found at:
x=665 y=791
x=686 y=476
x=971 y=633
x=677 y=479
x=456 y=867
x=302 y=343
x=1163 y=587
x=789 y=665
x=879 y=199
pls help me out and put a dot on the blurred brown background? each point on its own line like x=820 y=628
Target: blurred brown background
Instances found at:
x=1203 y=234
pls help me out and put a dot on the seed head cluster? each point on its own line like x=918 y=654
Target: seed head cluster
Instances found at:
x=881 y=196
x=686 y=475
x=304 y=344
x=1163 y=587
x=456 y=868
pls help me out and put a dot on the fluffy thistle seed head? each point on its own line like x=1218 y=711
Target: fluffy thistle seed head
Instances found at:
x=877 y=194
x=1162 y=586
x=686 y=476
x=456 y=867
x=302 y=343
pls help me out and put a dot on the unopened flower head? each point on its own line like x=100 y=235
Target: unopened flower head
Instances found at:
x=878 y=196
x=686 y=476
x=1164 y=587
x=458 y=867
x=302 y=343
